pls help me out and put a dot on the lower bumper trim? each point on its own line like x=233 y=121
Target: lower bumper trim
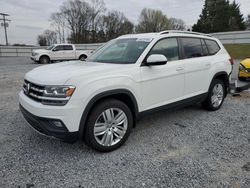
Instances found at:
x=49 y=127
x=33 y=59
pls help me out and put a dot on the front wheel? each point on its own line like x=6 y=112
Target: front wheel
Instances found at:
x=216 y=95
x=109 y=125
x=44 y=60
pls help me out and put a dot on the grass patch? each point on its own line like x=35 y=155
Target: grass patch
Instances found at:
x=238 y=51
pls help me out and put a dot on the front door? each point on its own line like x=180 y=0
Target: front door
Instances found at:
x=164 y=84
x=58 y=53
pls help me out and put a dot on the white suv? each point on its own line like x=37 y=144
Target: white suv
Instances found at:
x=99 y=100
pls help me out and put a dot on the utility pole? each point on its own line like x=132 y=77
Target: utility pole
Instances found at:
x=5 y=25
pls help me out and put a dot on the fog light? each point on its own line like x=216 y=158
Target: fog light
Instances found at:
x=58 y=124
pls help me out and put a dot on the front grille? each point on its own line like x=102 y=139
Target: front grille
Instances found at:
x=33 y=91
x=36 y=93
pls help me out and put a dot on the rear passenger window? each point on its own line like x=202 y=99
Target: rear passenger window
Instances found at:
x=204 y=48
x=192 y=47
x=167 y=47
x=212 y=46
x=68 y=47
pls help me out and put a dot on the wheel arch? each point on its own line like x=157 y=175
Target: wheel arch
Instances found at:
x=222 y=76
x=123 y=95
x=82 y=55
x=44 y=55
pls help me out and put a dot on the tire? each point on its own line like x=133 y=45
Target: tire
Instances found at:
x=216 y=95
x=44 y=60
x=104 y=135
x=82 y=57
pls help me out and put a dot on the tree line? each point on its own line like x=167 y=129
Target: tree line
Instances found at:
x=81 y=21
x=91 y=22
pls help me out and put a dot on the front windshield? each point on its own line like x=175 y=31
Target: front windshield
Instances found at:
x=50 y=47
x=120 y=51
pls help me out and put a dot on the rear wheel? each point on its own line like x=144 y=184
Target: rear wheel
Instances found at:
x=216 y=95
x=44 y=60
x=82 y=57
x=108 y=126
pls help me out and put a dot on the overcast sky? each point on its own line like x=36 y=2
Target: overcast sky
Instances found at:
x=30 y=17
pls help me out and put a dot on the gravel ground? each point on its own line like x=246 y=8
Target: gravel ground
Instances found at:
x=184 y=148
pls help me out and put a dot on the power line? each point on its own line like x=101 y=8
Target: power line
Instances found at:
x=5 y=25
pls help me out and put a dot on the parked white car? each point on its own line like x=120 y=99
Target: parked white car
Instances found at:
x=99 y=100
x=59 y=52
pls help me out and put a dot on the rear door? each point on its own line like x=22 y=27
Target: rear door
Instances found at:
x=197 y=66
x=69 y=52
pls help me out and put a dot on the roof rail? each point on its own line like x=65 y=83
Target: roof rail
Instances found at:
x=184 y=32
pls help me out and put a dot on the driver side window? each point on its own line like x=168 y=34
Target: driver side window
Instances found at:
x=167 y=47
x=58 y=48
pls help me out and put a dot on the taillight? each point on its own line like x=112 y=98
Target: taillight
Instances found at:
x=231 y=61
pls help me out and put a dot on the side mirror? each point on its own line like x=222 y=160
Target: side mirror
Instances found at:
x=156 y=59
x=54 y=50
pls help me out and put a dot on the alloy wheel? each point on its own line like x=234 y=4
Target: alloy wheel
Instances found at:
x=110 y=127
x=217 y=95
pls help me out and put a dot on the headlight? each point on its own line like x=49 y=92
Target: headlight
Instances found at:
x=35 y=53
x=242 y=68
x=58 y=91
x=48 y=95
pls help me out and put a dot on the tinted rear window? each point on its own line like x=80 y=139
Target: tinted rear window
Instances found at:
x=68 y=47
x=192 y=47
x=212 y=46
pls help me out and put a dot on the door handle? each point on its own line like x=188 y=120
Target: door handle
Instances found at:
x=180 y=69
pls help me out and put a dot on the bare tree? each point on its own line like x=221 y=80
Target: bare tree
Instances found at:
x=116 y=24
x=152 y=20
x=88 y=22
x=47 y=38
x=59 y=22
x=177 y=24
x=41 y=39
x=97 y=9
x=51 y=37
x=77 y=15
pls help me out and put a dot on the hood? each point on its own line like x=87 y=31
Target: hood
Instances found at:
x=60 y=73
x=246 y=63
x=41 y=51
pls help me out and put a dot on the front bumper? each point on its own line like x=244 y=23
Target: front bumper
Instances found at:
x=244 y=74
x=34 y=58
x=70 y=114
x=49 y=127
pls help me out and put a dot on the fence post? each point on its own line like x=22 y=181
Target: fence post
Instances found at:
x=0 y=52
x=16 y=52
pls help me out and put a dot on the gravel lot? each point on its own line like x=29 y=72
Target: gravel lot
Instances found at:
x=184 y=148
